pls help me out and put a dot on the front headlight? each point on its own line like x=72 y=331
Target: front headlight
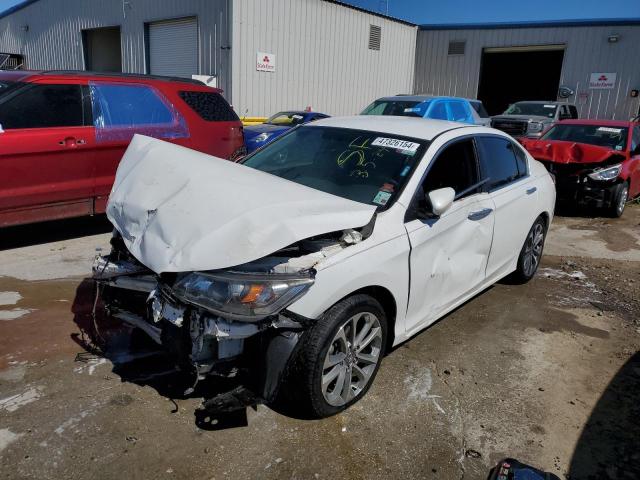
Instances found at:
x=242 y=296
x=535 y=127
x=262 y=137
x=608 y=173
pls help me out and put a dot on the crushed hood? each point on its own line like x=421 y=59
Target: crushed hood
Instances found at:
x=570 y=152
x=180 y=210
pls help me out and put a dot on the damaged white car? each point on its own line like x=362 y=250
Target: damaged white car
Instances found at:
x=308 y=261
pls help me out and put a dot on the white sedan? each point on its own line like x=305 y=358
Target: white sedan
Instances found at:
x=303 y=264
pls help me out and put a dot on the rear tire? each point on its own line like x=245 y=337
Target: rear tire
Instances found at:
x=531 y=253
x=338 y=358
x=618 y=200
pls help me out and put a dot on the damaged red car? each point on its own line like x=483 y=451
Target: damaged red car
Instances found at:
x=596 y=163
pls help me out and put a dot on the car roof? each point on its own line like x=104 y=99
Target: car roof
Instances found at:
x=543 y=102
x=26 y=75
x=419 y=98
x=603 y=123
x=422 y=128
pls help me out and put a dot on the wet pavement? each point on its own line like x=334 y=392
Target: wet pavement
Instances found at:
x=548 y=373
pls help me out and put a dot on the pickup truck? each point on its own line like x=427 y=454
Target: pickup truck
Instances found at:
x=531 y=118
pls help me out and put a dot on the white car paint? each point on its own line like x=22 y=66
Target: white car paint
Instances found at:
x=451 y=259
x=428 y=266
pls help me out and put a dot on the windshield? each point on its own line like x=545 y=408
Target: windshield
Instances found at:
x=400 y=108
x=358 y=165
x=286 y=119
x=610 y=137
x=533 y=109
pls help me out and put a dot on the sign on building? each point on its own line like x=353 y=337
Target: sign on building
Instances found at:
x=265 y=62
x=602 y=80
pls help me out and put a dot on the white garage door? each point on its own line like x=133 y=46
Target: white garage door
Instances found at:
x=173 y=48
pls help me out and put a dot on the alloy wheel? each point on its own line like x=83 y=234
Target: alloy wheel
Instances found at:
x=352 y=359
x=533 y=249
x=622 y=200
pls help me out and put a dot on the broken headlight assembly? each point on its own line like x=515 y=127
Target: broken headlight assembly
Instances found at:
x=242 y=296
x=607 y=173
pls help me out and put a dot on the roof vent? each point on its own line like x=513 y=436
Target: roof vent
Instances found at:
x=456 y=47
x=375 y=34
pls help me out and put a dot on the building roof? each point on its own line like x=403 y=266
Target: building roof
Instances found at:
x=541 y=24
x=26 y=3
x=421 y=128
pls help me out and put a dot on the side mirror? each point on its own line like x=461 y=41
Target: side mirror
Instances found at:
x=441 y=200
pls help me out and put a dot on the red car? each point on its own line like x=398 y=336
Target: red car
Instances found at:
x=595 y=162
x=62 y=135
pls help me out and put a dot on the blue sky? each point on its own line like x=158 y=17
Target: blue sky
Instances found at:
x=484 y=11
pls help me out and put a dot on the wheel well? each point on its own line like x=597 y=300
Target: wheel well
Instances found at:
x=545 y=217
x=388 y=302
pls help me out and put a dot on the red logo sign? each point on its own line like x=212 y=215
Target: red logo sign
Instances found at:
x=603 y=78
x=266 y=60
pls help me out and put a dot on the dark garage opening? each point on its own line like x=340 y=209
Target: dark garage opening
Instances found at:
x=102 y=49
x=513 y=75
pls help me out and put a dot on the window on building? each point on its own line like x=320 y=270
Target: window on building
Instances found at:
x=457 y=47
x=375 y=37
x=210 y=106
x=42 y=106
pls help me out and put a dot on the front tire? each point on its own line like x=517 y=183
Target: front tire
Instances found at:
x=618 y=200
x=338 y=358
x=531 y=253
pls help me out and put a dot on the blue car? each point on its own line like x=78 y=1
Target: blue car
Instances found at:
x=256 y=136
x=453 y=109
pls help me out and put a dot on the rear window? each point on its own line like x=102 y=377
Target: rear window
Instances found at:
x=210 y=106
x=399 y=108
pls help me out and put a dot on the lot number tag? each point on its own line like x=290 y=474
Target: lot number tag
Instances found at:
x=395 y=143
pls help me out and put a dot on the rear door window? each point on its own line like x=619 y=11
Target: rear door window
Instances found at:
x=210 y=106
x=498 y=162
x=122 y=110
x=439 y=111
x=42 y=106
x=458 y=112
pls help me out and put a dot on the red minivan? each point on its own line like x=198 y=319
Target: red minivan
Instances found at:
x=62 y=135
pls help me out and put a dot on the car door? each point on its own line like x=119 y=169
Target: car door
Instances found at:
x=45 y=155
x=449 y=254
x=504 y=167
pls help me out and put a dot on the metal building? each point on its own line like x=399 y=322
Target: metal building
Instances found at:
x=267 y=55
x=598 y=62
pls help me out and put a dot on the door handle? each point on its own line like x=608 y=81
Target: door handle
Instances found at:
x=72 y=142
x=480 y=214
x=532 y=190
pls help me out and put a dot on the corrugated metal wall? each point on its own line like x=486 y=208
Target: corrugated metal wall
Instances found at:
x=587 y=51
x=322 y=57
x=53 y=39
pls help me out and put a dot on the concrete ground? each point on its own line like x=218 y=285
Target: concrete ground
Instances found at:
x=548 y=373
